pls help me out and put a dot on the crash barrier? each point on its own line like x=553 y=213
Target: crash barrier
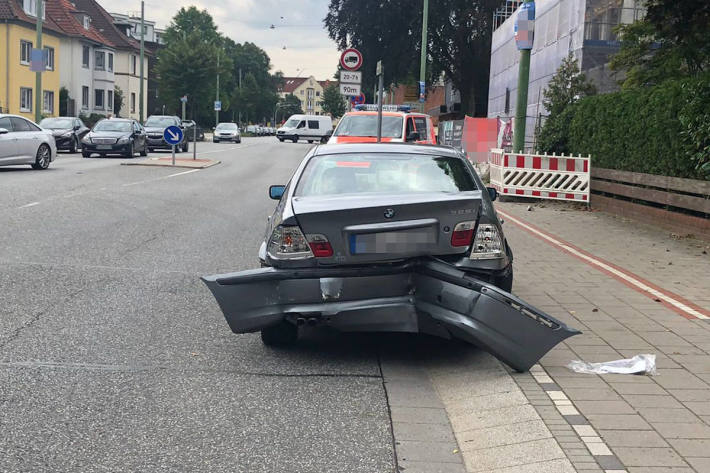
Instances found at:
x=540 y=176
x=681 y=205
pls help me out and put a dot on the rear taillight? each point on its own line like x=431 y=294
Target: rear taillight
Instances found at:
x=488 y=243
x=320 y=246
x=463 y=234
x=288 y=242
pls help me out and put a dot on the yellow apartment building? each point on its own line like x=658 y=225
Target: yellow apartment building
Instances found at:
x=17 y=38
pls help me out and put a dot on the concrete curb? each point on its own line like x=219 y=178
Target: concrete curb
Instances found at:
x=179 y=163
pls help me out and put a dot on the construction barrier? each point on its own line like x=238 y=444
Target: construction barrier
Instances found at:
x=540 y=176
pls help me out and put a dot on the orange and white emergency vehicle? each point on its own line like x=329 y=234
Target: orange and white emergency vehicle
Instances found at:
x=399 y=124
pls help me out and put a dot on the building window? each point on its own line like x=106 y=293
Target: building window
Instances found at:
x=110 y=62
x=318 y=94
x=87 y=22
x=133 y=102
x=48 y=101
x=30 y=7
x=85 y=97
x=301 y=92
x=25 y=51
x=25 y=99
x=99 y=61
x=133 y=64
x=49 y=65
x=99 y=99
x=85 y=57
x=109 y=100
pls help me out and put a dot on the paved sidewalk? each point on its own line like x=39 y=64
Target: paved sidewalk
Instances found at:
x=618 y=422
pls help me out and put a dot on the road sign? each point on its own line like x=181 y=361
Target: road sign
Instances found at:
x=422 y=91
x=217 y=105
x=351 y=59
x=173 y=135
x=378 y=71
x=183 y=99
x=357 y=99
x=350 y=89
x=350 y=77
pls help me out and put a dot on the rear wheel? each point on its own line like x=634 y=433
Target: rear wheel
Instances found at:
x=43 y=158
x=280 y=334
x=281 y=140
x=74 y=145
x=185 y=147
x=86 y=154
x=310 y=141
x=144 y=151
x=295 y=138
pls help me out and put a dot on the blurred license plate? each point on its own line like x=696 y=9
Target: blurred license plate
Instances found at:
x=403 y=241
x=104 y=146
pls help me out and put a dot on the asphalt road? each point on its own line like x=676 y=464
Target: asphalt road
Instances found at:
x=113 y=354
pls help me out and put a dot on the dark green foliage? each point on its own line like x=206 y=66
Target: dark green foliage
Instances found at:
x=460 y=33
x=289 y=105
x=90 y=120
x=565 y=88
x=117 y=101
x=333 y=102
x=659 y=130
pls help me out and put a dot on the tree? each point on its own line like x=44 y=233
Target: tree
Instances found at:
x=287 y=106
x=459 y=42
x=255 y=94
x=333 y=102
x=671 y=41
x=117 y=101
x=565 y=88
x=187 y=64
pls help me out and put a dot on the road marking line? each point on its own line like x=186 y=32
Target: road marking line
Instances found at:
x=685 y=308
x=159 y=178
x=31 y=204
x=181 y=173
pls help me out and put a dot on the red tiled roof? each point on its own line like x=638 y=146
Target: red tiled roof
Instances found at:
x=104 y=23
x=292 y=83
x=63 y=13
x=12 y=10
x=326 y=83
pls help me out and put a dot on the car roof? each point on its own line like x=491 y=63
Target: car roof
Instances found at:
x=403 y=148
x=387 y=114
x=118 y=119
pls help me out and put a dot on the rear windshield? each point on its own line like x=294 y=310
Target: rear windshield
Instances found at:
x=57 y=123
x=383 y=173
x=366 y=125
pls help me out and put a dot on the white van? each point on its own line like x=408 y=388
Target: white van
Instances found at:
x=306 y=127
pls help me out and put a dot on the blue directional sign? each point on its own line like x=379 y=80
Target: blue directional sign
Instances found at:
x=173 y=135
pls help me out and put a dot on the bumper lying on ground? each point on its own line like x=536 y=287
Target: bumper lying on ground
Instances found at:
x=427 y=296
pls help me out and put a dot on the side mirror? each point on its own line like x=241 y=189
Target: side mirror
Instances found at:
x=493 y=193
x=4 y=131
x=77 y=127
x=413 y=136
x=276 y=192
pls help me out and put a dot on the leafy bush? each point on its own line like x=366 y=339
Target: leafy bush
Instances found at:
x=90 y=120
x=657 y=130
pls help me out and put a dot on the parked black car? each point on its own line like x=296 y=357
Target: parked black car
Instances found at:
x=120 y=136
x=189 y=127
x=67 y=131
x=155 y=126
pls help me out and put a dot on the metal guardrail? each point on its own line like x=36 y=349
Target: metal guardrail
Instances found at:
x=540 y=175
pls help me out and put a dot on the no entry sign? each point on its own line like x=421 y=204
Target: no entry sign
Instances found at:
x=351 y=59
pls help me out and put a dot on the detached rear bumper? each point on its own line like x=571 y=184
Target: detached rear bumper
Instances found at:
x=428 y=296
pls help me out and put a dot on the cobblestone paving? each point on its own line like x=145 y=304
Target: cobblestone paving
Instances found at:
x=650 y=423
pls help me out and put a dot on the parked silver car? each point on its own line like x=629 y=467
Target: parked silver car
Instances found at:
x=23 y=142
x=387 y=237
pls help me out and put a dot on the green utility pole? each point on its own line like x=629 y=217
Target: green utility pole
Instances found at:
x=521 y=104
x=216 y=112
x=38 y=74
x=422 y=67
x=140 y=93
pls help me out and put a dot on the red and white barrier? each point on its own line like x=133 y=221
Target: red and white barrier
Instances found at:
x=540 y=176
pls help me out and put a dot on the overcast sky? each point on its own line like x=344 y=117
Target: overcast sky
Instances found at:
x=299 y=27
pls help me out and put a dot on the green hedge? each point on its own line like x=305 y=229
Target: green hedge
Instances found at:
x=660 y=130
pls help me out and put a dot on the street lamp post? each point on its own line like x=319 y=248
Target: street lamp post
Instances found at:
x=38 y=74
x=422 y=67
x=216 y=112
x=142 y=72
x=521 y=104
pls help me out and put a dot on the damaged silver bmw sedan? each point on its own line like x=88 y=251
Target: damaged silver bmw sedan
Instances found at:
x=387 y=237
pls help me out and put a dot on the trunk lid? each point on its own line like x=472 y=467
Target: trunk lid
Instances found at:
x=362 y=229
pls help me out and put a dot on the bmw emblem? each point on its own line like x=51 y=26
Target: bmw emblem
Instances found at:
x=389 y=213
